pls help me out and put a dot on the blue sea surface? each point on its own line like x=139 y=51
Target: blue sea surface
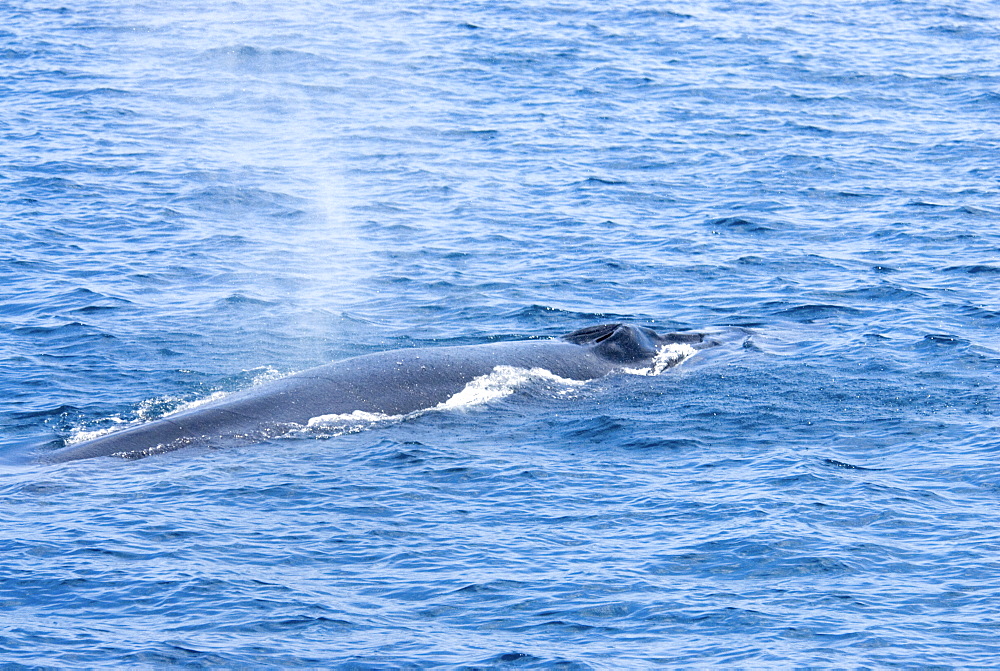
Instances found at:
x=198 y=197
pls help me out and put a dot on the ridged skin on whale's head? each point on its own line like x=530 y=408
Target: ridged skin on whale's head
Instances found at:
x=625 y=343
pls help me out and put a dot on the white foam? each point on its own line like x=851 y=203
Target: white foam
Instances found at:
x=152 y=409
x=501 y=382
x=668 y=356
x=330 y=426
x=356 y=416
x=80 y=434
x=147 y=408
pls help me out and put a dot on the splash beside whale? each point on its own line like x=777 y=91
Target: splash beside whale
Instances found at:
x=395 y=382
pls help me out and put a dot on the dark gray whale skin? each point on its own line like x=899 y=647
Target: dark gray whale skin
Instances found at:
x=395 y=382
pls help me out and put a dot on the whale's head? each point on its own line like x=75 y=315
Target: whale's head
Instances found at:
x=624 y=343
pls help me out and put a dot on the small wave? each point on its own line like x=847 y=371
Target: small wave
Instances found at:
x=608 y=181
x=739 y=224
x=975 y=269
x=937 y=340
x=810 y=313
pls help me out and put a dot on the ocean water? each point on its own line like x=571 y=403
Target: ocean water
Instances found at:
x=196 y=198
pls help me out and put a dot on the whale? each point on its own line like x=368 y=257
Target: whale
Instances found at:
x=392 y=382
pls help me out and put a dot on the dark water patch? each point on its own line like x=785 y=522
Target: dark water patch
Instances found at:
x=596 y=428
x=48 y=185
x=49 y=412
x=177 y=653
x=884 y=292
x=295 y=625
x=855 y=195
x=70 y=331
x=963 y=31
x=979 y=313
x=976 y=269
x=978 y=212
x=89 y=309
x=656 y=443
x=937 y=340
x=236 y=200
x=523 y=660
x=601 y=181
x=808 y=314
x=842 y=464
x=739 y=225
x=472 y=134
x=401 y=459
x=499 y=587
x=9 y=54
x=546 y=314
x=808 y=129
x=241 y=300
x=87 y=551
x=88 y=93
